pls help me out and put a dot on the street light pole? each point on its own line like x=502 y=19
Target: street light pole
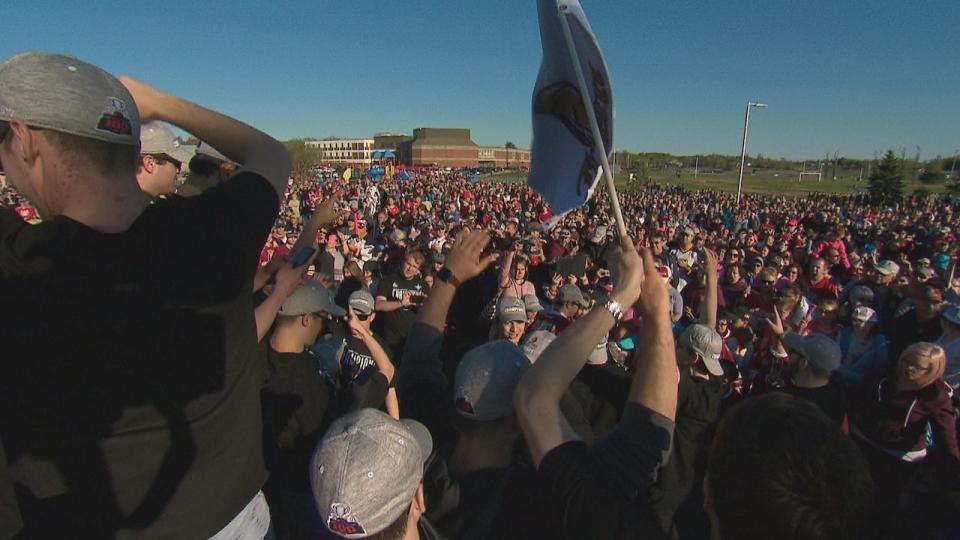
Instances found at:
x=743 y=146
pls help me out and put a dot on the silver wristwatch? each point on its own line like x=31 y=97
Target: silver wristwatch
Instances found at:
x=615 y=309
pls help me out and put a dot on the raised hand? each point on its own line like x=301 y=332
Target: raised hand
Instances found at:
x=654 y=301
x=626 y=274
x=465 y=260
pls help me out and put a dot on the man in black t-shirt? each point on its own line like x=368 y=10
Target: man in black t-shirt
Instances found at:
x=399 y=296
x=366 y=367
x=138 y=413
x=295 y=401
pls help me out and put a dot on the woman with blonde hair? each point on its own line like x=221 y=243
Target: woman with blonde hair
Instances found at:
x=893 y=414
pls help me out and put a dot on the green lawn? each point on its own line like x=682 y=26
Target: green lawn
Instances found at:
x=768 y=182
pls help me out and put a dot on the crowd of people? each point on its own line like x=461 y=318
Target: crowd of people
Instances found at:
x=265 y=353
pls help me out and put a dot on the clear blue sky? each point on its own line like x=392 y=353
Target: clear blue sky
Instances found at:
x=857 y=77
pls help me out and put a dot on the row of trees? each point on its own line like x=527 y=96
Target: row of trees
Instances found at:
x=886 y=183
x=931 y=171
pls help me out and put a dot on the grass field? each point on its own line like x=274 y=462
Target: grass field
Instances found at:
x=766 y=182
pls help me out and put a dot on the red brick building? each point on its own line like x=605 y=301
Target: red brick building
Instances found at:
x=452 y=147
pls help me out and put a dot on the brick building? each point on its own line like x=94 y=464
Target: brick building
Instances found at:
x=453 y=147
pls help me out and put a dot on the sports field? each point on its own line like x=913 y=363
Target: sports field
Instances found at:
x=768 y=182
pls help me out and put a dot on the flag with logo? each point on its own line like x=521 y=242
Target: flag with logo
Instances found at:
x=475 y=177
x=565 y=162
x=347 y=175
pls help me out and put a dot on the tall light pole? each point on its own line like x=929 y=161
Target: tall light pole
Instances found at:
x=743 y=147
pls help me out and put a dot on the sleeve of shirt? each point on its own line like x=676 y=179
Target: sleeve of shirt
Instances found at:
x=237 y=216
x=420 y=381
x=635 y=449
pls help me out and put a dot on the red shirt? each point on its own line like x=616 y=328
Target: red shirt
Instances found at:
x=825 y=288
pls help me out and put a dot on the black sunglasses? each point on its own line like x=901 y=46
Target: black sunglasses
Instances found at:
x=163 y=158
x=4 y=128
x=362 y=316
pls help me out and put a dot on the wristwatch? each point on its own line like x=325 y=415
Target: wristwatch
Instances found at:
x=446 y=276
x=615 y=309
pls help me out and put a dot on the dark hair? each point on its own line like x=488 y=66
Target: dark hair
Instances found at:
x=83 y=152
x=395 y=531
x=808 y=480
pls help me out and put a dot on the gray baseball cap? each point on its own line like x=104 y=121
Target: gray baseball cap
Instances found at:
x=887 y=267
x=204 y=150
x=571 y=293
x=361 y=301
x=819 y=350
x=532 y=303
x=511 y=308
x=311 y=297
x=156 y=138
x=486 y=378
x=535 y=343
x=65 y=94
x=366 y=470
x=707 y=343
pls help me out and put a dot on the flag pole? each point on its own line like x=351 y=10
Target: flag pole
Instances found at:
x=592 y=118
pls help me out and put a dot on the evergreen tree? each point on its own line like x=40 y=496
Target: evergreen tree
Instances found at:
x=886 y=181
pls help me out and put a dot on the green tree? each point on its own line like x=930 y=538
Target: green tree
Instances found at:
x=509 y=145
x=886 y=181
x=932 y=177
x=300 y=154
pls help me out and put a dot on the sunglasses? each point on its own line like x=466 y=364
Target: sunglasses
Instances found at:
x=765 y=282
x=4 y=128
x=161 y=159
x=362 y=316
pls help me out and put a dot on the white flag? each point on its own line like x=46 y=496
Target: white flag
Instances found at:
x=565 y=159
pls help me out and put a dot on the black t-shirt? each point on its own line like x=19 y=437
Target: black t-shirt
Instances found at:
x=598 y=491
x=397 y=323
x=295 y=402
x=698 y=406
x=130 y=405
x=491 y=503
x=357 y=361
x=832 y=398
x=602 y=392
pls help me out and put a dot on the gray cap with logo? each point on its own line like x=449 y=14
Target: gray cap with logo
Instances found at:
x=486 y=378
x=511 y=309
x=707 y=343
x=62 y=93
x=361 y=301
x=311 y=297
x=366 y=470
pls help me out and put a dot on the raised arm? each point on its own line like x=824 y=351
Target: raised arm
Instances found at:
x=708 y=311
x=287 y=281
x=254 y=150
x=324 y=214
x=380 y=358
x=506 y=265
x=538 y=394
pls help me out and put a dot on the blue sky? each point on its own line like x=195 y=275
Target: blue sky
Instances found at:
x=857 y=77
